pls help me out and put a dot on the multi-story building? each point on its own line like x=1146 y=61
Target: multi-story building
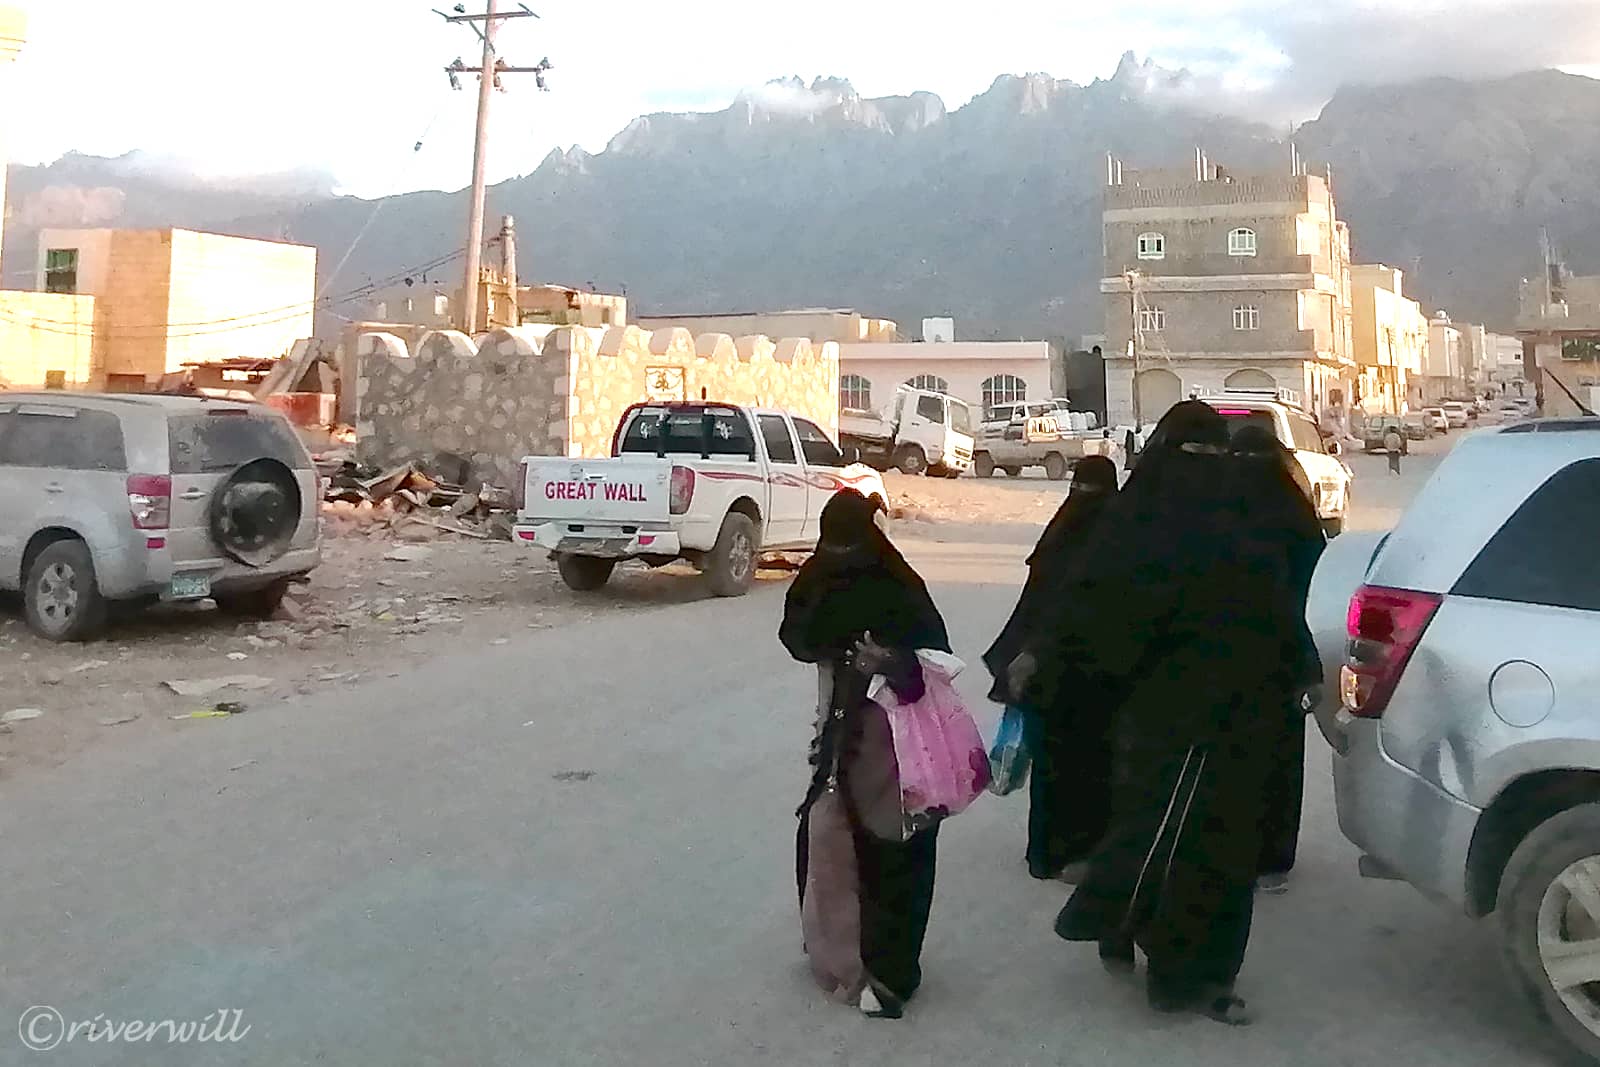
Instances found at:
x=1505 y=367
x=1213 y=279
x=166 y=298
x=1559 y=323
x=1390 y=338
x=1443 y=366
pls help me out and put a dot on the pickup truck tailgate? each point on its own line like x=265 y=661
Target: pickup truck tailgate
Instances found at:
x=626 y=490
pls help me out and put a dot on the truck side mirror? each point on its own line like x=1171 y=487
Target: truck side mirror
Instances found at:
x=1335 y=448
x=851 y=454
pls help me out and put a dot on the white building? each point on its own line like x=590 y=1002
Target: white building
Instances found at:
x=1444 y=364
x=982 y=373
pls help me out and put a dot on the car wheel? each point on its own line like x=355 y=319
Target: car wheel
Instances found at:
x=910 y=460
x=61 y=598
x=257 y=603
x=983 y=465
x=1055 y=467
x=731 y=564
x=1549 y=916
x=584 y=574
x=255 y=512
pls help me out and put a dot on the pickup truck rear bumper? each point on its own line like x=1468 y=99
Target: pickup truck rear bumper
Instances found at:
x=604 y=542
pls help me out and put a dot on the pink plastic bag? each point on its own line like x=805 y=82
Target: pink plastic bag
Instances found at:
x=943 y=764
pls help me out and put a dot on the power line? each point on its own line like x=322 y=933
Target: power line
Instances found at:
x=489 y=72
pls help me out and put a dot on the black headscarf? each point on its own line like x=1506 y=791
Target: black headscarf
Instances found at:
x=1094 y=485
x=855 y=583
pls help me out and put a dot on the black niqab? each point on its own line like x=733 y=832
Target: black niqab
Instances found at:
x=855 y=583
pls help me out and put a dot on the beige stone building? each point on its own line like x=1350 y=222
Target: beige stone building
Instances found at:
x=166 y=298
x=1389 y=334
x=982 y=373
x=1443 y=366
x=841 y=325
x=1224 y=279
x=1559 y=324
x=46 y=339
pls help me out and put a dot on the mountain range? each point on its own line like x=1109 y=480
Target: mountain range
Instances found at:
x=802 y=195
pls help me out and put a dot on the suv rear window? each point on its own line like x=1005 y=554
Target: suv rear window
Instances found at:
x=1545 y=552
x=722 y=432
x=64 y=439
x=222 y=440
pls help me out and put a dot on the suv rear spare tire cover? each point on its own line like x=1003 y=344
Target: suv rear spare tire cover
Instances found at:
x=255 y=512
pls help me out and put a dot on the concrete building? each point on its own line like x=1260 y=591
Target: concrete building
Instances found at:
x=842 y=325
x=1559 y=324
x=1389 y=334
x=46 y=339
x=438 y=307
x=1505 y=367
x=1443 y=366
x=982 y=373
x=558 y=305
x=165 y=298
x=1224 y=280
x=939 y=328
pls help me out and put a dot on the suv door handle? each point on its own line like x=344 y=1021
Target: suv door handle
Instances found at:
x=192 y=494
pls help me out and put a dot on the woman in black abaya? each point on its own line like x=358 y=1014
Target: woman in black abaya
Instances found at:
x=857 y=610
x=1181 y=615
x=1282 y=513
x=1065 y=735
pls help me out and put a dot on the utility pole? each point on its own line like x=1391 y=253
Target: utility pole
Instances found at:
x=1132 y=278
x=489 y=73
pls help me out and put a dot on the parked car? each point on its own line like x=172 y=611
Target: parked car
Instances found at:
x=1457 y=414
x=127 y=500
x=1279 y=411
x=1418 y=426
x=1437 y=419
x=1465 y=708
x=716 y=484
x=1377 y=427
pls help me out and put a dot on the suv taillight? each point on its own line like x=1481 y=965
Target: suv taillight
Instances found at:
x=1385 y=627
x=519 y=492
x=150 y=501
x=682 y=494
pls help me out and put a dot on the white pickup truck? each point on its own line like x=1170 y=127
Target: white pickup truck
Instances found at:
x=716 y=484
x=922 y=432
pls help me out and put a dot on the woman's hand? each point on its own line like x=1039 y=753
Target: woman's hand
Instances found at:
x=870 y=657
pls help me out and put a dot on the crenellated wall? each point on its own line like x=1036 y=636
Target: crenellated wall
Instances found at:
x=559 y=390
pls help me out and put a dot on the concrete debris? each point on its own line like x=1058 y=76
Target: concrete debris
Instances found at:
x=238 y=655
x=204 y=687
x=90 y=665
x=408 y=554
x=242 y=766
x=119 y=720
x=464 y=506
x=21 y=715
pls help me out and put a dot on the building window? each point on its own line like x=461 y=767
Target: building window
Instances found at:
x=1152 y=246
x=1152 y=319
x=441 y=305
x=855 y=392
x=1247 y=317
x=61 y=270
x=931 y=382
x=1003 y=389
x=1242 y=242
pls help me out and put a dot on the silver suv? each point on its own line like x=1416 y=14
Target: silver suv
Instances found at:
x=1465 y=714
x=126 y=500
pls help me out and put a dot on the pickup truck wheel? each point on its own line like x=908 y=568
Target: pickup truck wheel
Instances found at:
x=983 y=465
x=61 y=598
x=584 y=574
x=910 y=460
x=1549 y=918
x=731 y=564
x=1333 y=527
x=1055 y=466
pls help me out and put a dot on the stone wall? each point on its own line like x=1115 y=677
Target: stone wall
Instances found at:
x=554 y=391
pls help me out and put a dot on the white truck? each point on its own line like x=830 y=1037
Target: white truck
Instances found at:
x=1280 y=411
x=1035 y=441
x=923 y=432
x=719 y=485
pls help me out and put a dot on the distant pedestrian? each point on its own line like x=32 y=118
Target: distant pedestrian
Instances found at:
x=857 y=610
x=1393 y=444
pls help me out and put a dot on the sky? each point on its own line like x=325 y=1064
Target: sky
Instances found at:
x=341 y=92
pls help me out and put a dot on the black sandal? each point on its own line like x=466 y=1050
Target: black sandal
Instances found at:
x=1116 y=954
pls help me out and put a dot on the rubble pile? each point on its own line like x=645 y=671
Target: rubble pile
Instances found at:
x=410 y=503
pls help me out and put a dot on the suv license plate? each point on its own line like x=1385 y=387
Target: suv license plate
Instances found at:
x=188 y=587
